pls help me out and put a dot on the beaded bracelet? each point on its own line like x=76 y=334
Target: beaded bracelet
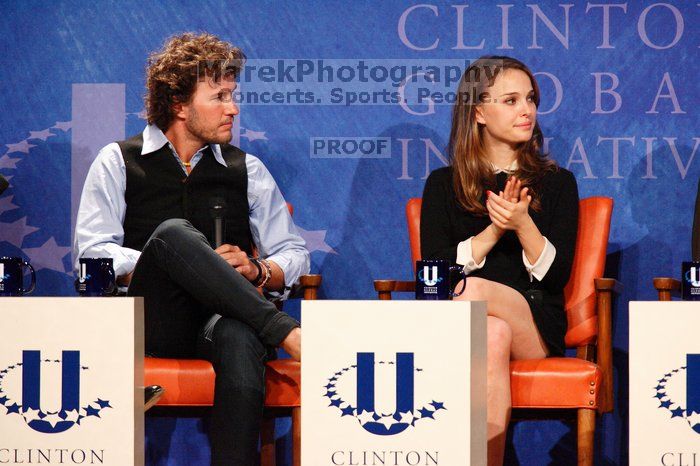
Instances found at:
x=268 y=272
x=255 y=262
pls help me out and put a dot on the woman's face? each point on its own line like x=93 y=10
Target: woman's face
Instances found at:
x=509 y=112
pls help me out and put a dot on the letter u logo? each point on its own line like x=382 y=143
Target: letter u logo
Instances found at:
x=427 y=278
x=70 y=388
x=694 y=277
x=404 y=391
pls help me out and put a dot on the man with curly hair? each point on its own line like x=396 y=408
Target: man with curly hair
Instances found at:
x=148 y=203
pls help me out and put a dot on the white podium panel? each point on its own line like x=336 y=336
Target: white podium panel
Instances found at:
x=664 y=367
x=394 y=383
x=71 y=378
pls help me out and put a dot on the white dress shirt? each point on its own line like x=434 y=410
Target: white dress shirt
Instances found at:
x=99 y=230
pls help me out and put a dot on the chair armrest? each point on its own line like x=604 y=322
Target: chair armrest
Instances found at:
x=605 y=287
x=665 y=286
x=608 y=284
x=384 y=288
x=310 y=285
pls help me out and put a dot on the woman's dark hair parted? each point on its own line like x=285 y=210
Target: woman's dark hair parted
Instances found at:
x=471 y=169
x=173 y=72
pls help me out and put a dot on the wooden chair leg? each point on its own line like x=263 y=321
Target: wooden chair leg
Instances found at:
x=296 y=436
x=268 y=455
x=586 y=436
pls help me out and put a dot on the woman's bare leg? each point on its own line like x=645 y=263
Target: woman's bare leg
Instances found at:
x=511 y=334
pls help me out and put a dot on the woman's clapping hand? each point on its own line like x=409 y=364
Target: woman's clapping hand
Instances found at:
x=508 y=210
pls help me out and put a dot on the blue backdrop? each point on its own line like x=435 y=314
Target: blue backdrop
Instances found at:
x=619 y=85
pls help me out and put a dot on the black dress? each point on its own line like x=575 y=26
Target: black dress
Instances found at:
x=444 y=224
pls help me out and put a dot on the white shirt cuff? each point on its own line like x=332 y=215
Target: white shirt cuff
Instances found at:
x=465 y=257
x=544 y=262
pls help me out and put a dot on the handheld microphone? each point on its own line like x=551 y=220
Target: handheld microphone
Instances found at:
x=4 y=184
x=218 y=211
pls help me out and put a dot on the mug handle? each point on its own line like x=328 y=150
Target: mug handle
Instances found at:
x=113 y=284
x=33 y=283
x=460 y=269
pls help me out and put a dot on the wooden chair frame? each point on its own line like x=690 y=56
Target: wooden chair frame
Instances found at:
x=598 y=352
x=666 y=287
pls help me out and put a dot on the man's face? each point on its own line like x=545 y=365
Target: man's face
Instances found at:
x=209 y=113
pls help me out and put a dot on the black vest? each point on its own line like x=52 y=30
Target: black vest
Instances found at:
x=157 y=189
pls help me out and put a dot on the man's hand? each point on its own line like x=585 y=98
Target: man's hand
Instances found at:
x=238 y=259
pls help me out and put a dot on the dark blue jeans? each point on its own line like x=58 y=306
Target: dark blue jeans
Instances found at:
x=183 y=283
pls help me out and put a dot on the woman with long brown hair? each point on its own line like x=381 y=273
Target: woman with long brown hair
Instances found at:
x=508 y=214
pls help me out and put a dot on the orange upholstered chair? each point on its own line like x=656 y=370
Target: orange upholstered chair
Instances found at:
x=189 y=384
x=561 y=387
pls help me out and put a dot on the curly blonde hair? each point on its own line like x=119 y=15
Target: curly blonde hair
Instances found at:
x=173 y=72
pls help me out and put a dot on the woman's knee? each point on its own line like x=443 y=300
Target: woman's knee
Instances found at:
x=476 y=289
x=499 y=338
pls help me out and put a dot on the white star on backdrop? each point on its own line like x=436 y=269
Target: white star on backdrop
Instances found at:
x=407 y=417
x=6 y=204
x=15 y=232
x=251 y=135
x=53 y=419
x=386 y=421
x=48 y=256
x=142 y=114
x=316 y=240
x=43 y=134
x=72 y=415
x=365 y=417
x=31 y=415
x=693 y=418
x=62 y=125
x=7 y=162
x=22 y=146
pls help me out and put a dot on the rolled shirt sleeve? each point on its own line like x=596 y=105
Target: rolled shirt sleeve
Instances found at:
x=465 y=257
x=274 y=232
x=540 y=268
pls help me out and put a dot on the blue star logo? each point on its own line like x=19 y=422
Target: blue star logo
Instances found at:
x=669 y=391
x=49 y=421
x=103 y=403
x=13 y=408
x=90 y=411
x=389 y=423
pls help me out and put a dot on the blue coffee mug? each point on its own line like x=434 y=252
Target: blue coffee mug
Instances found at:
x=434 y=279
x=12 y=276
x=96 y=277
